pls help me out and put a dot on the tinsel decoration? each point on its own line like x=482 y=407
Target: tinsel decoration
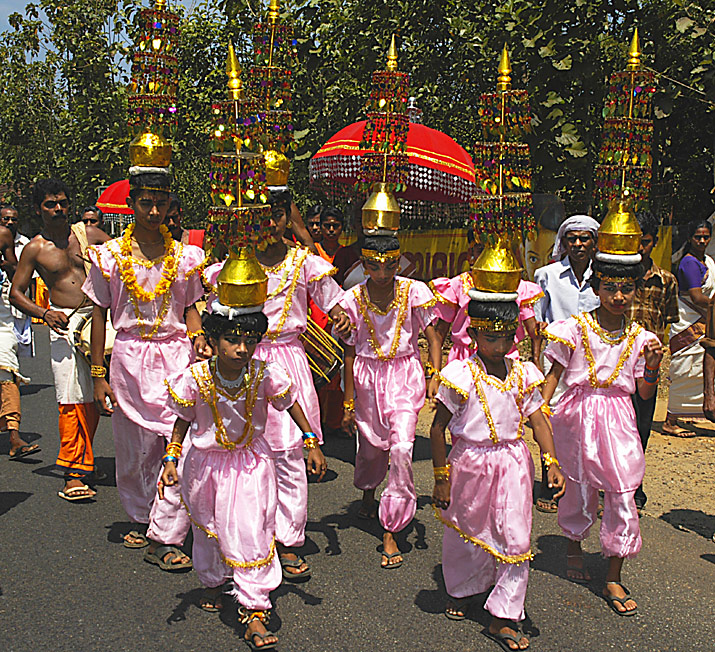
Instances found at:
x=154 y=75
x=239 y=212
x=625 y=161
x=502 y=166
x=270 y=80
x=386 y=129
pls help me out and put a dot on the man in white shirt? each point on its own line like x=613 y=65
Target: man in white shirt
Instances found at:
x=567 y=291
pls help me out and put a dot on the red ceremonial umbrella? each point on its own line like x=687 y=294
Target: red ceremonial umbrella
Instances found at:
x=439 y=169
x=114 y=199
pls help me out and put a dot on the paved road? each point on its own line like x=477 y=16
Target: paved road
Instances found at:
x=67 y=583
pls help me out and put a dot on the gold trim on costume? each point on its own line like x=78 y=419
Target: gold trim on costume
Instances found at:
x=493 y=325
x=402 y=295
x=440 y=297
x=199 y=268
x=183 y=402
x=377 y=257
x=532 y=300
x=499 y=556
x=555 y=338
x=210 y=286
x=331 y=272
x=98 y=254
x=296 y=265
x=450 y=385
x=467 y=282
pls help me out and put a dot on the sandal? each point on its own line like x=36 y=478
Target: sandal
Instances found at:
x=135 y=534
x=547 y=505
x=502 y=639
x=612 y=599
x=211 y=601
x=388 y=565
x=81 y=492
x=286 y=563
x=24 y=451
x=582 y=570
x=157 y=558
x=677 y=431
x=457 y=608
x=246 y=616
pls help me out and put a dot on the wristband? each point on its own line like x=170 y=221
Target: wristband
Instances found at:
x=430 y=369
x=548 y=460
x=97 y=371
x=44 y=313
x=311 y=442
x=442 y=472
x=546 y=409
x=173 y=449
x=349 y=405
x=169 y=458
x=192 y=335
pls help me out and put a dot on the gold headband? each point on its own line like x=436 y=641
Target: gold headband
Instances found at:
x=377 y=257
x=614 y=279
x=166 y=189
x=493 y=325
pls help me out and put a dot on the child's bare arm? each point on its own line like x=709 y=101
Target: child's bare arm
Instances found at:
x=349 y=415
x=316 y=460
x=542 y=435
x=653 y=354
x=434 y=343
x=442 y=487
x=170 y=476
x=552 y=380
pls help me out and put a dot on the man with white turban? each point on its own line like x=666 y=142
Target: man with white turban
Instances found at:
x=567 y=291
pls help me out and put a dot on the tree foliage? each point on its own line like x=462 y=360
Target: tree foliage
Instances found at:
x=64 y=70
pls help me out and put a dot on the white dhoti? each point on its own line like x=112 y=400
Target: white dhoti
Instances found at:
x=73 y=382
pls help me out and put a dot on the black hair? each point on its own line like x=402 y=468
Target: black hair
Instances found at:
x=381 y=243
x=44 y=187
x=493 y=310
x=174 y=201
x=649 y=223
x=315 y=209
x=216 y=325
x=281 y=199
x=155 y=180
x=9 y=207
x=471 y=238
x=692 y=228
x=93 y=209
x=549 y=211
x=335 y=213
x=615 y=270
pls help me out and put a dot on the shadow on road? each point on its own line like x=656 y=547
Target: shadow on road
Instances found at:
x=29 y=437
x=32 y=388
x=708 y=557
x=10 y=499
x=691 y=520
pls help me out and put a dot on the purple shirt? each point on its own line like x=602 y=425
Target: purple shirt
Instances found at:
x=691 y=273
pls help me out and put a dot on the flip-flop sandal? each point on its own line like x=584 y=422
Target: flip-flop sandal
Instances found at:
x=501 y=639
x=612 y=599
x=547 y=506
x=24 y=451
x=263 y=637
x=457 y=608
x=157 y=558
x=70 y=494
x=294 y=563
x=388 y=565
x=678 y=431
x=143 y=543
x=207 y=602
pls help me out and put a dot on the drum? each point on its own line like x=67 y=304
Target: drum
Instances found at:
x=82 y=335
x=325 y=355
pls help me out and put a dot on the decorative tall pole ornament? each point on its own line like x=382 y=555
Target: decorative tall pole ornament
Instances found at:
x=503 y=209
x=625 y=160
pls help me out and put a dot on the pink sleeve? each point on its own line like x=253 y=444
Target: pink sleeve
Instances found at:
x=529 y=293
x=447 y=301
x=96 y=285
x=322 y=288
x=450 y=392
x=182 y=393
x=209 y=277
x=194 y=260
x=423 y=302
x=279 y=389
x=348 y=303
x=562 y=338
x=533 y=379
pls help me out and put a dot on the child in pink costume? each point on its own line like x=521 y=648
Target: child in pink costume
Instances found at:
x=484 y=495
x=385 y=384
x=228 y=484
x=293 y=275
x=152 y=342
x=603 y=358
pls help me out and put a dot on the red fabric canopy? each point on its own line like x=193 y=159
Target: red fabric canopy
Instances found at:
x=114 y=199
x=440 y=170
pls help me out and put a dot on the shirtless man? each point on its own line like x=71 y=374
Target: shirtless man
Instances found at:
x=56 y=255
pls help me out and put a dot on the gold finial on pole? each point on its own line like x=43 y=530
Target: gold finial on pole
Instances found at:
x=160 y=5
x=273 y=11
x=392 y=56
x=233 y=70
x=634 y=53
x=504 y=78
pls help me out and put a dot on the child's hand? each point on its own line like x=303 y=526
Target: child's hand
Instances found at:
x=202 y=348
x=316 y=463
x=348 y=424
x=169 y=478
x=341 y=324
x=432 y=388
x=653 y=353
x=441 y=493
x=556 y=480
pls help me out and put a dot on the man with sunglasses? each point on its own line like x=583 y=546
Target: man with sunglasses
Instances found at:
x=58 y=255
x=567 y=291
x=92 y=216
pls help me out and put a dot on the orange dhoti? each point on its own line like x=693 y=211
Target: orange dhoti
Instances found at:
x=77 y=425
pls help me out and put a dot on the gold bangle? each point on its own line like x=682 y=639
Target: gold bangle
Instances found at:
x=192 y=335
x=98 y=371
x=442 y=472
x=549 y=460
x=546 y=409
x=311 y=442
x=174 y=449
x=430 y=369
x=349 y=405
